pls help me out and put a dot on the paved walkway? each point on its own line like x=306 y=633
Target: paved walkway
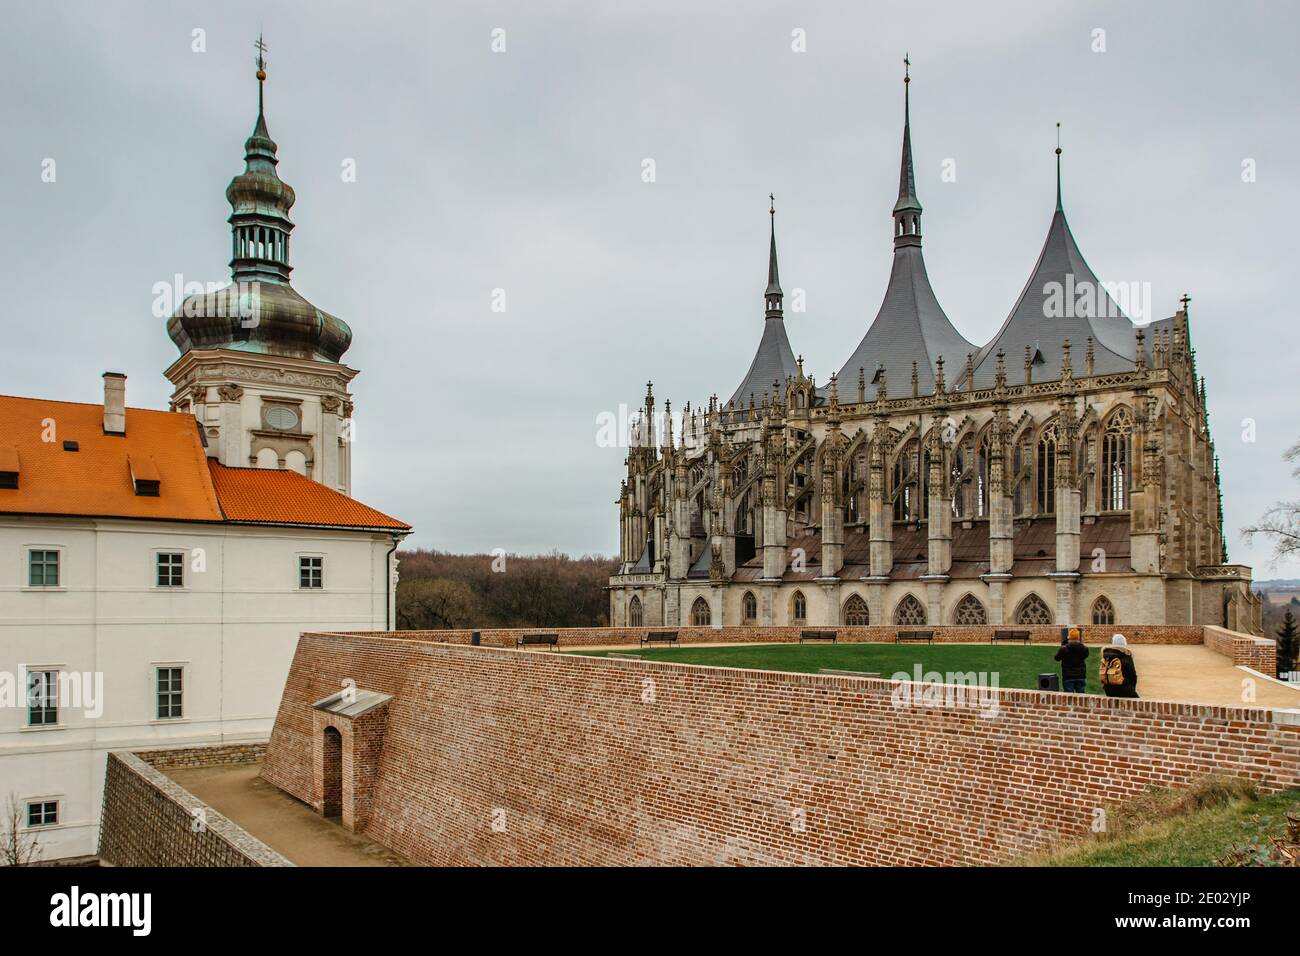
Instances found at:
x=280 y=821
x=1193 y=672
x=1179 y=672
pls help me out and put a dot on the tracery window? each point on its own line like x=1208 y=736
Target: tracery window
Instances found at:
x=1103 y=612
x=969 y=610
x=749 y=608
x=909 y=612
x=701 y=615
x=965 y=478
x=635 y=614
x=1022 y=458
x=856 y=612
x=799 y=608
x=1115 y=444
x=1033 y=610
x=1047 y=469
x=911 y=483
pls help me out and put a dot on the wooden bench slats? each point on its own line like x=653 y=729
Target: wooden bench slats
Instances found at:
x=526 y=640
x=1011 y=635
x=831 y=636
x=903 y=637
x=659 y=637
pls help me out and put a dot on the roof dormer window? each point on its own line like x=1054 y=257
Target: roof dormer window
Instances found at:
x=8 y=466
x=144 y=477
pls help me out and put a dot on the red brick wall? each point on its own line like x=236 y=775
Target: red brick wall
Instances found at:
x=502 y=757
x=1245 y=650
x=598 y=636
x=149 y=819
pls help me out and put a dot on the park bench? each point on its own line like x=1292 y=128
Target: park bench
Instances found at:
x=659 y=637
x=1001 y=635
x=817 y=636
x=903 y=637
x=529 y=640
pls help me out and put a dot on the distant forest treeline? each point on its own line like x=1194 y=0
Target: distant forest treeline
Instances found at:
x=440 y=590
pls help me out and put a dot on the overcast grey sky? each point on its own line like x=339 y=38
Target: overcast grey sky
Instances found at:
x=522 y=171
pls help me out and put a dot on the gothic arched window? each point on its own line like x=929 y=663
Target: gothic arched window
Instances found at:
x=701 y=616
x=909 y=612
x=749 y=607
x=1084 y=467
x=1103 y=612
x=856 y=612
x=1033 y=610
x=965 y=479
x=635 y=615
x=1115 y=461
x=969 y=610
x=1047 y=469
x=1022 y=467
x=909 y=496
x=799 y=608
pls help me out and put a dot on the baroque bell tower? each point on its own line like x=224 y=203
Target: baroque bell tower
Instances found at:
x=260 y=366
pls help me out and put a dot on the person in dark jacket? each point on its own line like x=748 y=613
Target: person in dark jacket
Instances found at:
x=1125 y=682
x=1074 y=671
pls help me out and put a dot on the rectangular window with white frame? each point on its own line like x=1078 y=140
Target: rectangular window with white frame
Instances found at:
x=42 y=568
x=170 y=692
x=42 y=813
x=42 y=698
x=170 y=569
x=311 y=572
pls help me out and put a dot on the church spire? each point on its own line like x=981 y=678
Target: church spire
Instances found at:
x=907 y=211
x=773 y=295
x=260 y=202
x=774 y=360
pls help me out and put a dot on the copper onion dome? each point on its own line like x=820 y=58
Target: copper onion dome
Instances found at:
x=259 y=311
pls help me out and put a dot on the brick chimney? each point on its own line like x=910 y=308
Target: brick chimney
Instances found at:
x=114 y=403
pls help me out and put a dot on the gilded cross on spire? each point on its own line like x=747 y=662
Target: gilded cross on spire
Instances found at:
x=261 y=70
x=907 y=67
x=772 y=208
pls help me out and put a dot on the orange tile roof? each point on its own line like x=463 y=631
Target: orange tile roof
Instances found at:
x=96 y=479
x=285 y=497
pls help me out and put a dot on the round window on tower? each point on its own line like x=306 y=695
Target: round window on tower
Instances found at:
x=281 y=418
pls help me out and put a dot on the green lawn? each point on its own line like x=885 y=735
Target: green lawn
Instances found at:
x=1016 y=665
x=1196 y=839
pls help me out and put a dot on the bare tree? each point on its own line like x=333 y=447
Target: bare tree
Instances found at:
x=1281 y=522
x=18 y=846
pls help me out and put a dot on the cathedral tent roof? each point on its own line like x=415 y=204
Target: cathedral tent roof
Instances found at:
x=910 y=326
x=1062 y=300
x=773 y=362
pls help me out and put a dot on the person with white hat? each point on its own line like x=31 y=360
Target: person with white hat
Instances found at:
x=1118 y=672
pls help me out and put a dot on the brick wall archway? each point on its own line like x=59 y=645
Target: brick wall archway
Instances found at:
x=332 y=773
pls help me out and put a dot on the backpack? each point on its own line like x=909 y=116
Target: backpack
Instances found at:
x=1112 y=671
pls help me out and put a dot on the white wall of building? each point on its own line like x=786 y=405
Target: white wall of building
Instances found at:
x=232 y=627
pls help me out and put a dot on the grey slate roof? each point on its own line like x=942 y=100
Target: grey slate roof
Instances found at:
x=1029 y=324
x=910 y=326
x=773 y=362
